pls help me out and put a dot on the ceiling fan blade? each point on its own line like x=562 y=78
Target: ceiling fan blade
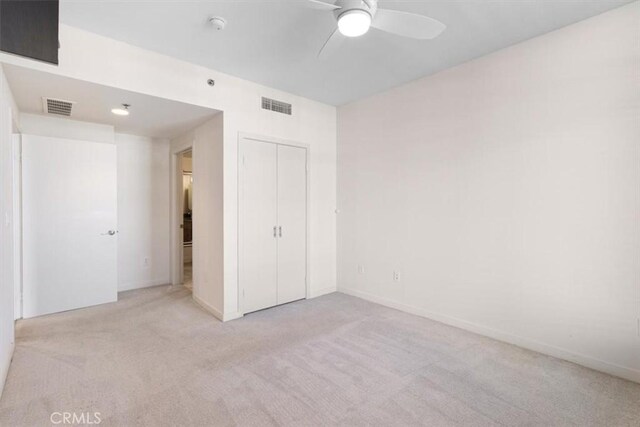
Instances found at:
x=407 y=24
x=320 y=5
x=331 y=45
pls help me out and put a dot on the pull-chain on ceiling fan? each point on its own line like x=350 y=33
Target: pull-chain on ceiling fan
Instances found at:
x=355 y=17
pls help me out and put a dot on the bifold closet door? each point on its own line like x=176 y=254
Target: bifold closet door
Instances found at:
x=292 y=223
x=257 y=224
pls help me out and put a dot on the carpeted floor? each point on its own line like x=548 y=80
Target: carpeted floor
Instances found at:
x=155 y=358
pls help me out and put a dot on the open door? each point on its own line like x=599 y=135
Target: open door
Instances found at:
x=69 y=206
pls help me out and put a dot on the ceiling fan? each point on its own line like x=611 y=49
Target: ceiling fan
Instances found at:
x=355 y=17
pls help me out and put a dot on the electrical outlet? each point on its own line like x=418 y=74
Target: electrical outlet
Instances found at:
x=360 y=269
x=396 y=276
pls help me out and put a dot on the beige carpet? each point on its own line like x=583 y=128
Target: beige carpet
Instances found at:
x=155 y=358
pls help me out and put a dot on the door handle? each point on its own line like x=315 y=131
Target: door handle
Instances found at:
x=280 y=231
x=109 y=233
x=274 y=231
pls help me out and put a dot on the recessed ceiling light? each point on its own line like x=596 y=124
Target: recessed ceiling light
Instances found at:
x=354 y=23
x=124 y=111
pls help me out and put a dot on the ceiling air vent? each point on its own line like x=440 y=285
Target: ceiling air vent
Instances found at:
x=277 y=106
x=57 y=106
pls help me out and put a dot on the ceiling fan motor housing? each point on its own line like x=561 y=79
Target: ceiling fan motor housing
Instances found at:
x=368 y=6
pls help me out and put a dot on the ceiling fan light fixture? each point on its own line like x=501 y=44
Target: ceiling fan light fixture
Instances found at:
x=354 y=23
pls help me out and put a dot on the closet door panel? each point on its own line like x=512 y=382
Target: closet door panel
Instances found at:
x=292 y=218
x=258 y=217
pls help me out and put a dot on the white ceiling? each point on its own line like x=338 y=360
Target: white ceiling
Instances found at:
x=150 y=116
x=275 y=42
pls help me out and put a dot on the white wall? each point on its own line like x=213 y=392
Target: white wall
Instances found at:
x=143 y=212
x=208 y=211
x=8 y=114
x=98 y=59
x=506 y=193
x=60 y=127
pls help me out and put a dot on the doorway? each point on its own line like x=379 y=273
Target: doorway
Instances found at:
x=182 y=212
x=187 y=218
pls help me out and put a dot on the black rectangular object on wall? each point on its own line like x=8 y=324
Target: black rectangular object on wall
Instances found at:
x=30 y=28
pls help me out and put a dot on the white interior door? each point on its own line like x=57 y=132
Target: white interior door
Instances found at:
x=257 y=225
x=69 y=224
x=292 y=223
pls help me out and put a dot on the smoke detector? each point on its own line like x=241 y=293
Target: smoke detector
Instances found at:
x=218 y=22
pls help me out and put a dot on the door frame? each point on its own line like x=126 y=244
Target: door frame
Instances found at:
x=177 y=259
x=277 y=141
x=16 y=142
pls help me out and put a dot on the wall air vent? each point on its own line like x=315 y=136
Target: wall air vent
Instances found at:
x=57 y=106
x=277 y=106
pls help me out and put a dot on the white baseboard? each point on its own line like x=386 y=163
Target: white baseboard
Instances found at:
x=4 y=366
x=140 y=285
x=323 y=291
x=218 y=315
x=540 y=347
x=225 y=317
x=231 y=316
